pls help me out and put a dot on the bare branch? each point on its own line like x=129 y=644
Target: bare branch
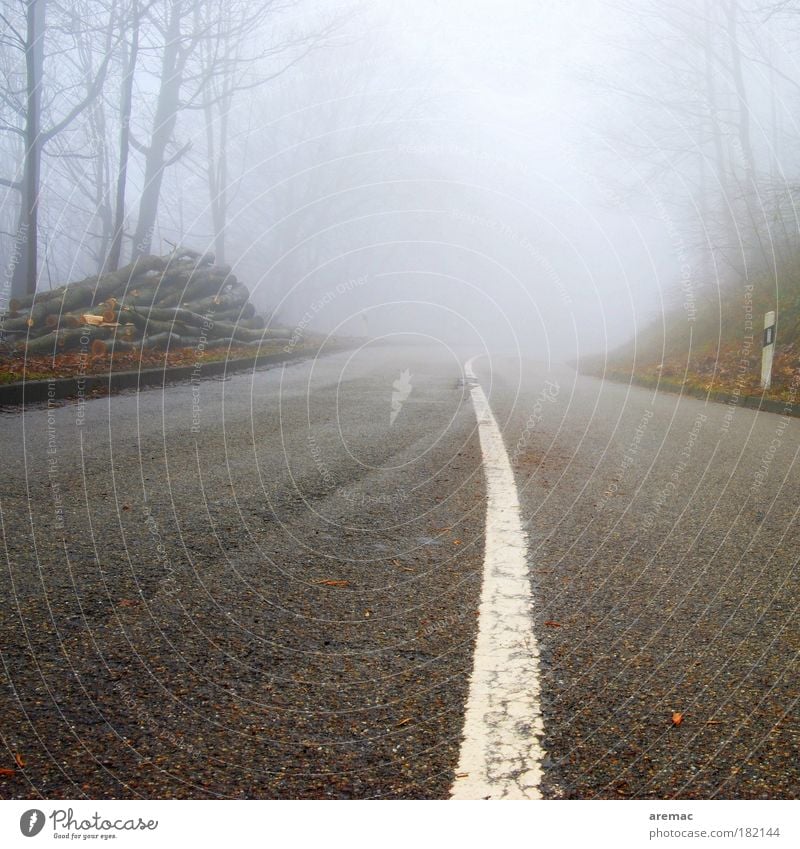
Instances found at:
x=20 y=38
x=138 y=146
x=176 y=156
x=93 y=91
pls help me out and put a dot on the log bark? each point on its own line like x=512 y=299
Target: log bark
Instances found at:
x=236 y=297
x=138 y=297
x=170 y=314
x=257 y=343
x=200 y=283
x=100 y=286
x=233 y=315
x=66 y=340
x=242 y=334
x=121 y=346
x=17 y=324
x=161 y=340
x=149 y=326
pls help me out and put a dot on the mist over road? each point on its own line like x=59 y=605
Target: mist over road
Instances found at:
x=268 y=586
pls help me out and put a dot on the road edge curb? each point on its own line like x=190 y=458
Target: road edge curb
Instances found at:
x=750 y=402
x=24 y=392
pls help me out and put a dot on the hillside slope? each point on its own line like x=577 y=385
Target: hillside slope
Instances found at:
x=712 y=344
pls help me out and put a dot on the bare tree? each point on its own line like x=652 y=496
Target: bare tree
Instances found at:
x=698 y=118
x=210 y=51
x=130 y=57
x=234 y=60
x=26 y=35
x=176 y=47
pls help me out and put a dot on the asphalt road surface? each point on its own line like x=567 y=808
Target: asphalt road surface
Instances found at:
x=268 y=586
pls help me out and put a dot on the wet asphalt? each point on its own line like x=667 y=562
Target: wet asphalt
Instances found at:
x=265 y=587
x=663 y=544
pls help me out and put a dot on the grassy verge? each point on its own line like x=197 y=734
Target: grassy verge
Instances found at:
x=84 y=364
x=715 y=347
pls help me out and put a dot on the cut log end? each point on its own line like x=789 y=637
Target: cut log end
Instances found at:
x=180 y=300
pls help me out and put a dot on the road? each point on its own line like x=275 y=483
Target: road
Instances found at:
x=269 y=586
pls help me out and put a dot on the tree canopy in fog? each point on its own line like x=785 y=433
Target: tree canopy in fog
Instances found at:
x=524 y=164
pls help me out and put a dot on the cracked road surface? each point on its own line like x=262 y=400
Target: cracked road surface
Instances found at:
x=501 y=755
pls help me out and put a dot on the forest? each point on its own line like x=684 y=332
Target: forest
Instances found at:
x=641 y=155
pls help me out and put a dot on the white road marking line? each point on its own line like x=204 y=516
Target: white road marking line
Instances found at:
x=501 y=754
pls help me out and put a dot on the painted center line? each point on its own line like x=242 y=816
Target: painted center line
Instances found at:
x=501 y=754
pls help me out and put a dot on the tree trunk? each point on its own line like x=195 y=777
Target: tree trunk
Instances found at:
x=713 y=104
x=750 y=188
x=65 y=340
x=27 y=241
x=102 y=188
x=126 y=106
x=743 y=110
x=163 y=127
x=218 y=164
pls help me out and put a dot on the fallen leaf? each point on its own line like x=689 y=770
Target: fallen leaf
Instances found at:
x=551 y=624
x=456 y=542
x=20 y=760
x=404 y=721
x=677 y=718
x=7 y=773
x=330 y=582
x=367 y=614
x=126 y=602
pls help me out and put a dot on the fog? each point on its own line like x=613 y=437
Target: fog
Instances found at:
x=542 y=178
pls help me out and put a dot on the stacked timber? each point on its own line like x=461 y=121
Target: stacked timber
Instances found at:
x=157 y=302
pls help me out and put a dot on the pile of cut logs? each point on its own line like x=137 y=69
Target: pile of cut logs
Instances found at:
x=177 y=301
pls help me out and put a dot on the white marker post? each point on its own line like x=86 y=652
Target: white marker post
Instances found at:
x=767 y=349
